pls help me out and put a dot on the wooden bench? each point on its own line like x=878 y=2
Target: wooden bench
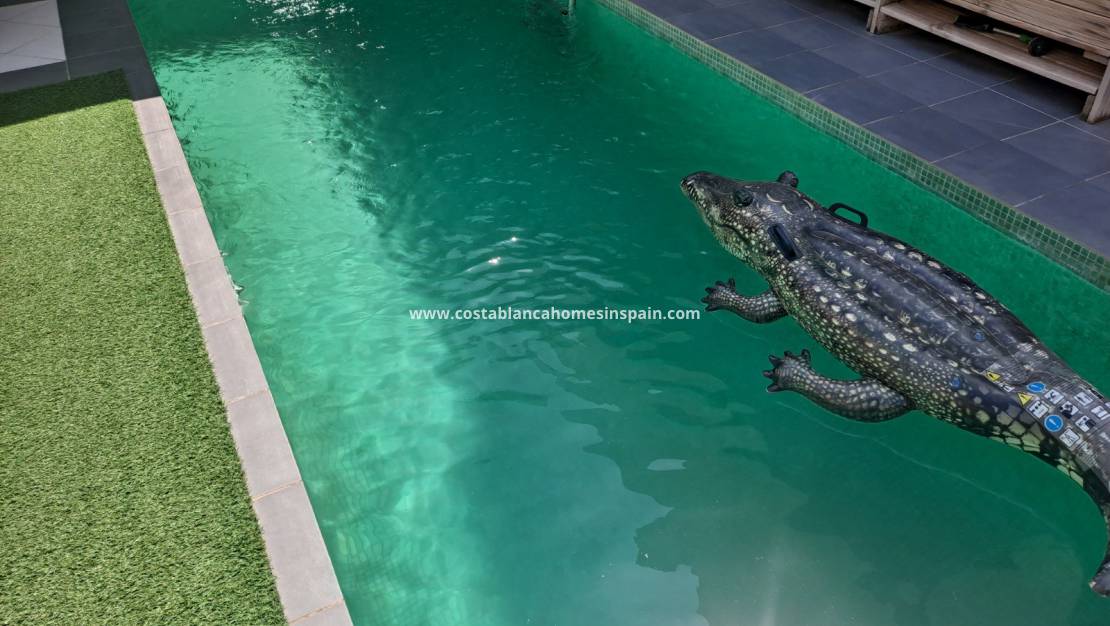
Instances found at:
x=1083 y=25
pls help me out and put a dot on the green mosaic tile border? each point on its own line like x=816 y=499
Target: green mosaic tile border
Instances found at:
x=1086 y=263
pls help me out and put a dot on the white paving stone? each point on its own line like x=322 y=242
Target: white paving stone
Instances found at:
x=30 y=35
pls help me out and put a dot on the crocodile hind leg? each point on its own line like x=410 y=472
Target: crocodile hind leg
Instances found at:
x=759 y=309
x=862 y=400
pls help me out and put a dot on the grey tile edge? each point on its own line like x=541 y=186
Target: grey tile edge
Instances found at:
x=177 y=188
x=164 y=149
x=1078 y=258
x=303 y=573
x=334 y=615
x=212 y=292
x=264 y=450
x=152 y=114
x=154 y=109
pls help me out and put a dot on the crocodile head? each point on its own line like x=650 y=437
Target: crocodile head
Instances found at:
x=753 y=220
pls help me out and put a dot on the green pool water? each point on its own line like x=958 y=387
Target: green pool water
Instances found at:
x=359 y=159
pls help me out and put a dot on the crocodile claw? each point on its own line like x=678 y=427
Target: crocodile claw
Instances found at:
x=719 y=295
x=786 y=369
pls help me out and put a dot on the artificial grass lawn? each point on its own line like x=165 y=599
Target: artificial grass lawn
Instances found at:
x=121 y=495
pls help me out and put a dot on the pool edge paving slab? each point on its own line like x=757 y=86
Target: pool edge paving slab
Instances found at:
x=304 y=577
x=1086 y=263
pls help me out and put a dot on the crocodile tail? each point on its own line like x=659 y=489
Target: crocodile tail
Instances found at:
x=1100 y=583
x=1098 y=491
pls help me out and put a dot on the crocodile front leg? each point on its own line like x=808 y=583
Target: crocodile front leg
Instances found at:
x=862 y=400
x=759 y=309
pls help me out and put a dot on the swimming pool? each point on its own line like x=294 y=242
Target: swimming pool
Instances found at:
x=360 y=159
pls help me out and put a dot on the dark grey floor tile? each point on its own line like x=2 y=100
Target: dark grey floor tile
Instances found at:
x=1044 y=95
x=69 y=8
x=817 y=6
x=994 y=114
x=96 y=42
x=713 y=23
x=668 y=8
x=1101 y=129
x=813 y=32
x=928 y=133
x=127 y=59
x=1067 y=148
x=756 y=45
x=8 y=3
x=915 y=43
x=865 y=57
x=925 y=83
x=1102 y=182
x=1081 y=212
x=33 y=77
x=142 y=84
x=805 y=71
x=1006 y=173
x=765 y=13
x=113 y=16
x=850 y=15
x=862 y=100
x=978 y=68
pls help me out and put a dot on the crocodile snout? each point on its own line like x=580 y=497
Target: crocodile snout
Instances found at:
x=699 y=187
x=693 y=182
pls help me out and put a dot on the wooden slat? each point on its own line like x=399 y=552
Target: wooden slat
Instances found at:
x=1083 y=29
x=1094 y=56
x=1098 y=7
x=1098 y=105
x=1061 y=66
x=877 y=22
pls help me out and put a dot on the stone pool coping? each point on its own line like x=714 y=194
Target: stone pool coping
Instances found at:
x=306 y=582
x=1086 y=263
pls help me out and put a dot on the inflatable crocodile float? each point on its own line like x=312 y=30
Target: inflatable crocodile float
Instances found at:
x=922 y=335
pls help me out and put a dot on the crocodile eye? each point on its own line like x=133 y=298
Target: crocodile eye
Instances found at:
x=742 y=197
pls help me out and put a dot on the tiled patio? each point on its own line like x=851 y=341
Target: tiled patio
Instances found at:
x=99 y=36
x=1011 y=134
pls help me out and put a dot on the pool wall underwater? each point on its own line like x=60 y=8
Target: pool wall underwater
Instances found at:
x=359 y=159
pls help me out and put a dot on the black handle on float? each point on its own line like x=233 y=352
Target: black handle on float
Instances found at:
x=840 y=205
x=783 y=242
